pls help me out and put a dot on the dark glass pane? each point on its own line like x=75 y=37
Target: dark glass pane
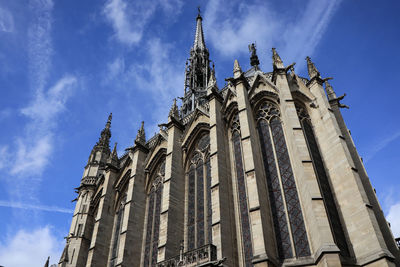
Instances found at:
x=289 y=187
x=326 y=191
x=275 y=193
x=209 y=209
x=200 y=204
x=149 y=227
x=191 y=208
x=156 y=229
x=244 y=214
x=117 y=232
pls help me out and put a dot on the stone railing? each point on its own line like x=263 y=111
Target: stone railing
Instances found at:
x=202 y=255
x=398 y=242
x=89 y=180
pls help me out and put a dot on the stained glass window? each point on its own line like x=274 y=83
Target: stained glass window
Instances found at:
x=153 y=216
x=275 y=192
x=281 y=184
x=323 y=182
x=199 y=196
x=242 y=194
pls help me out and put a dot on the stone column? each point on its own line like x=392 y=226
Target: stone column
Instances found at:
x=259 y=214
x=360 y=222
x=319 y=233
x=172 y=205
x=130 y=244
x=223 y=223
x=103 y=222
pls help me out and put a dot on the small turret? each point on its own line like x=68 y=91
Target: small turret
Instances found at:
x=237 y=71
x=141 y=135
x=312 y=70
x=277 y=62
x=253 y=58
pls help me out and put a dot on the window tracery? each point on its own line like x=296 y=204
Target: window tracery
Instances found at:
x=242 y=194
x=199 y=195
x=284 y=200
x=117 y=230
x=153 y=216
x=323 y=180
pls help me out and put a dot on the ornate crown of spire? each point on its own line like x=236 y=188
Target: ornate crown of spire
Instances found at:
x=104 y=140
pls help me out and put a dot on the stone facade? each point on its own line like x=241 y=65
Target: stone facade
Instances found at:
x=262 y=172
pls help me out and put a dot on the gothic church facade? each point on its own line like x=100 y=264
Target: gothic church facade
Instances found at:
x=262 y=172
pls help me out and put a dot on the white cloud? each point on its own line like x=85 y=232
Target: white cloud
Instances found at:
x=114 y=69
x=230 y=31
x=4 y=158
x=129 y=18
x=381 y=145
x=27 y=206
x=40 y=46
x=161 y=77
x=394 y=219
x=6 y=21
x=30 y=248
x=34 y=148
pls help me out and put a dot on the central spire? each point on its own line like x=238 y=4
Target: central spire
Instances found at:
x=199 y=36
x=197 y=72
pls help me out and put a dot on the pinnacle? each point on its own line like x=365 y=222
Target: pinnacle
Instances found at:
x=276 y=60
x=312 y=70
x=141 y=135
x=199 y=36
x=174 y=110
x=212 y=81
x=329 y=90
x=237 y=71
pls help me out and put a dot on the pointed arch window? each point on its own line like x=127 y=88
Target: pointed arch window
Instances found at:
x=323 y=180
x=198 y=222
x=117 y=230
x=284 y=200
x=154 y=198
x=241 y=191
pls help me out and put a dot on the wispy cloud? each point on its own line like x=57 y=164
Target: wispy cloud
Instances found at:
x=381 y=145
x=35 y=147
x=129 y=18
x=31 y=248
x=40 y=46
x=27 y=206
x=6 y=20
x=230 y=31
x=161 y=77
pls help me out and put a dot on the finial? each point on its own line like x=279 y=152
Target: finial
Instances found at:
x=108 y=124
x=237 y=71
x=174 y=112
x=312 y=70
x=253 y=58
x=141 y=136
x=276 y=59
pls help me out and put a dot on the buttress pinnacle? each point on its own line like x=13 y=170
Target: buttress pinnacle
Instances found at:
x=141 y=136
x=237 y=71
x=276 y=60
x=312 y=70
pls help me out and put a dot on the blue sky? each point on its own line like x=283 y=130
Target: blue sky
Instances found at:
x=64 y=65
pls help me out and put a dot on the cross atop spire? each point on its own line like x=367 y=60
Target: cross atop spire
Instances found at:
x=199 y=36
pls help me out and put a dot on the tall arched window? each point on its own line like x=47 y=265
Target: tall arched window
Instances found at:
x=284 y=200
x=241 y=191
x=117 y=229
x=198 y=221
x=153 y=216
x=323 y=180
